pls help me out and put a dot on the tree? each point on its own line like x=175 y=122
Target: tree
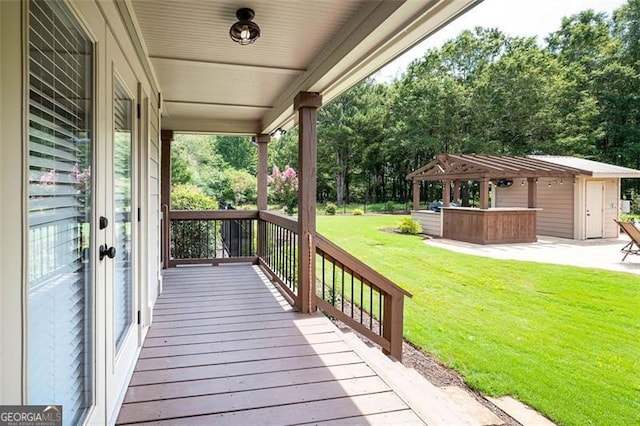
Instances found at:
x=284 y=188
x=238 y=152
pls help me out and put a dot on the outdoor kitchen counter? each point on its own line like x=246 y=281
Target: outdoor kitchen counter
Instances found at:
x=489 y=226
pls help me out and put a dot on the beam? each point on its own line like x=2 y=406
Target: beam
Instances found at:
x=456 y=190
x=484 y=193
x=532 y=193
x=446 y=192
x=262 y=141
x=231 y=66
x=416 y=195
x=307 y=104
x=166 y=136
x=217 y=104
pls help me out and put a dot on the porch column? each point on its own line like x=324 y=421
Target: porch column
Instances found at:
x=484 y=193
x=446 y=193
x=532 y=193
x=166 y=136
x=456 y=191
x=307 y=103
x=416 y=195
x=262 y=141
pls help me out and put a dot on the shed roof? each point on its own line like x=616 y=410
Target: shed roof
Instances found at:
x=479 y=167
x=597 y=168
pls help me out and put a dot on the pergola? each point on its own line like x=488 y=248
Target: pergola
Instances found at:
x=450 y=168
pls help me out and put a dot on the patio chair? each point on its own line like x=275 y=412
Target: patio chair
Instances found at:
x=633 y=233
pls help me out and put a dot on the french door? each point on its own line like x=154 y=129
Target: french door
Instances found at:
x=119 y=252
x=82 y=293
x=62 y=331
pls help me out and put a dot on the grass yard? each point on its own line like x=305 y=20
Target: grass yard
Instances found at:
x=564 y=340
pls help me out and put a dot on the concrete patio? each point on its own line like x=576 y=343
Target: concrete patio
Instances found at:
x=596 y=253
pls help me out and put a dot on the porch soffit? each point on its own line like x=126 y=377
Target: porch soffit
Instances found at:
x=479 y=167
x=324 y=46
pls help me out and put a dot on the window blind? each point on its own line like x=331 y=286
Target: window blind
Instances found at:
x=60 y=204
x=122 y=193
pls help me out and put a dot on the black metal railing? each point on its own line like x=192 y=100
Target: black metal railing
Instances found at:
x=360 y=297
x=211 y=236
x=278 y=250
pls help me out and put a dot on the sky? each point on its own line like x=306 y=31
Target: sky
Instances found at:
x=513 y=17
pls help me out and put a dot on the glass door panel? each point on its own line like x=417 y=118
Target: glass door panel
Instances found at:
x=60 y=335
x=122 y=196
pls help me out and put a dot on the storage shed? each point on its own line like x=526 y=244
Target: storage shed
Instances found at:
x=579 y=208
x=522 y=197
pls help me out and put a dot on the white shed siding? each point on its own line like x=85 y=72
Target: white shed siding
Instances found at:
x=611 y=197
x=557 y=216
x=513 y=196
x=554 y=198
x=431 y=222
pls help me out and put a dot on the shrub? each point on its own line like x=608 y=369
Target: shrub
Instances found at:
x=242 y=187
x=191 y=239
x=189 y=197
x=388 y=206
x=357 y=212
x=330 y=209
x=409 y=226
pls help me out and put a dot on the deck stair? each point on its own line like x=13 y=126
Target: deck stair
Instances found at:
x=430 y=403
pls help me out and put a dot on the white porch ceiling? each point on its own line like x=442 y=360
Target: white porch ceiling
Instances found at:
x=211 y=84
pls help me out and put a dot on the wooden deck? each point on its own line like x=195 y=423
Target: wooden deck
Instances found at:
x=226 y=348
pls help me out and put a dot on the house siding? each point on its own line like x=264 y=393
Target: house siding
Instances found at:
x=611 y=201
x=554 y=198
x=154 y=273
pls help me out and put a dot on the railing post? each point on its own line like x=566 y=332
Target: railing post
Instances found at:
x=307 y=103
x=392 y=323
x=262 y=142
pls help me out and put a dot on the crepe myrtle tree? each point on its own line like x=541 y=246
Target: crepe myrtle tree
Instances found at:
x=284 y=188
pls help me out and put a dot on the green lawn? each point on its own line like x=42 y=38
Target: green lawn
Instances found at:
x=564 y=340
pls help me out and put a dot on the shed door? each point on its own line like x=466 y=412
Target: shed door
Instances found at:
x=594 y=209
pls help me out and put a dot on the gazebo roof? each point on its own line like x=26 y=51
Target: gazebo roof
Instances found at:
x=481 y=167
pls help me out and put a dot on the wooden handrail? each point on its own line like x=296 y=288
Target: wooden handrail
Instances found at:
x=287 y=222
x=354 y=264
x=389 y=336
x=212 y=214
x=388 y=314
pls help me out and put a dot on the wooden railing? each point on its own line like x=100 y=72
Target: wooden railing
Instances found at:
x=278 y=251
x=211 y=236
x=360 y=297
x=345 y=288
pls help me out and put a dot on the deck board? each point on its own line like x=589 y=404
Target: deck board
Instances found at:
x=226 y=348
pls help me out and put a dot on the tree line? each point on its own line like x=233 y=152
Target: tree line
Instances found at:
x=484 y=92
x=577 y=92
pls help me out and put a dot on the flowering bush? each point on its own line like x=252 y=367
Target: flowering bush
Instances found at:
x=284 y=188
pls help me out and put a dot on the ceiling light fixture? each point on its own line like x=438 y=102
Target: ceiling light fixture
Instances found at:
x=245 y=31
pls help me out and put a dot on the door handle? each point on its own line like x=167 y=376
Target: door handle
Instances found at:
x=109 y=252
